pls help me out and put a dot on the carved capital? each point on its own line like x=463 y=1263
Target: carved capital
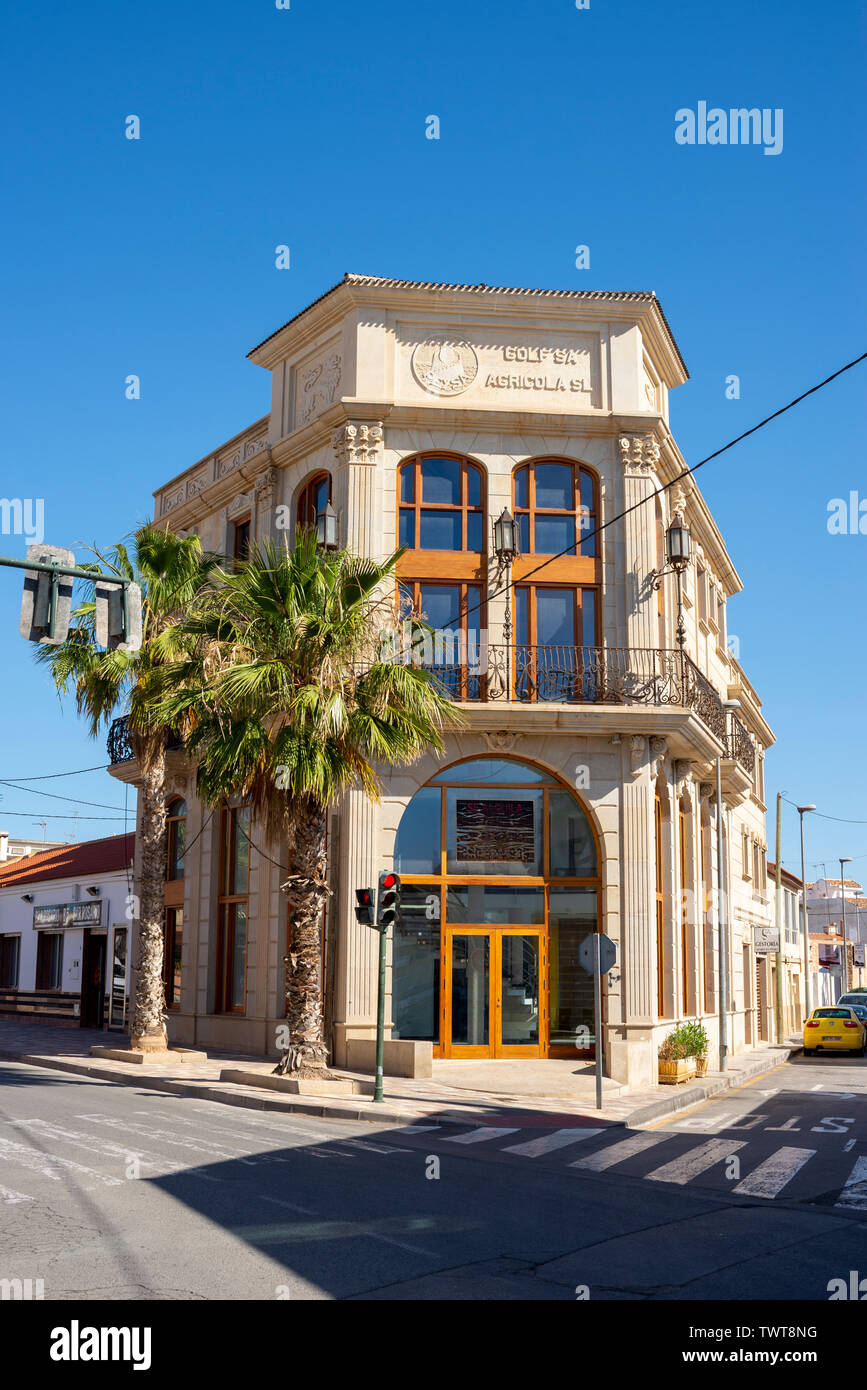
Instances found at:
x=706 y=790
x=682 y=769
x=357 y=443
x=266 y=485
x=639 y=452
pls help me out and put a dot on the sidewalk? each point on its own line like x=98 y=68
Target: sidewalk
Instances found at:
x=459 y=1093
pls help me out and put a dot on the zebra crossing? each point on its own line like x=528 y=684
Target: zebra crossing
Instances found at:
x=647 y=1155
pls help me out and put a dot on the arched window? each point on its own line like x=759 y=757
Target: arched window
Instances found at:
x=313 y=498
x=556 y=508
x=441 y=504
x=500 y=885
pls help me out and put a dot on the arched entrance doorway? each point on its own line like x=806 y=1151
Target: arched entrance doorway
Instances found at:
x=500 y=870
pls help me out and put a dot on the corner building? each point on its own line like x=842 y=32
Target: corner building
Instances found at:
x=580 y=793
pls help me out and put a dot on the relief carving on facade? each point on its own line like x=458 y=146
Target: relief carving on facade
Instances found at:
x=658 y=750
x=319 y=386
x=639 y=452
x=500 y=740
x=636 y=756
x=241 y=503
x=170 y=500
x=444 y=366
x=357 y=443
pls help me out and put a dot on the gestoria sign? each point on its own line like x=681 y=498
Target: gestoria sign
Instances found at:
x=767 y=940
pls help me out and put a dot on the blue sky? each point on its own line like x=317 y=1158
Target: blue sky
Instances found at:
x=306 y=126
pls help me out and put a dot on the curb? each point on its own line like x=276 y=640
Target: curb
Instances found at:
x=727 y=1081
x=324 y=1109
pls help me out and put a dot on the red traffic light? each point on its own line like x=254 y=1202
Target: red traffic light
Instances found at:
x=364 y=906
x=388 y=880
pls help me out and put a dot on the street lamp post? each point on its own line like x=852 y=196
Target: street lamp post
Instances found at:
x=844 y=963
x=722 y=915
x=507 y=548
x=678 y=541
x=808 y=978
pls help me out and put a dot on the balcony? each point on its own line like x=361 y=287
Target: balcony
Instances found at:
x=566 y=675
x=119 y=744
x=596 y=676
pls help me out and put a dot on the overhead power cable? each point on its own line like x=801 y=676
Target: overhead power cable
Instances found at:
x=658 y=492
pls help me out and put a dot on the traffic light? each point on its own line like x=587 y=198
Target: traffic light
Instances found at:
x=388 y=902
x=118 y=616
x=364 y=906
x=47 y=600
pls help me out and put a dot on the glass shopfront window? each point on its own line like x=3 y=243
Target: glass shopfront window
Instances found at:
x=500 y=886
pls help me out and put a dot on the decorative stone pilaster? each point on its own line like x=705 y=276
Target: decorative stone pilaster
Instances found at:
x=638 y=917
x=265 y=492
x=357 y=486
x=639 y=456
x=356 y=975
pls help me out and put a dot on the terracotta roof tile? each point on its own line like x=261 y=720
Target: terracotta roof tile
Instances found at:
x=72 y=861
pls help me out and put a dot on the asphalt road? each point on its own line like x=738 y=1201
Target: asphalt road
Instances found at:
x=116 y=1192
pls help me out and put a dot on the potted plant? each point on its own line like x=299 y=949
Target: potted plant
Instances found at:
x=676 y=1062
x=698 y=1045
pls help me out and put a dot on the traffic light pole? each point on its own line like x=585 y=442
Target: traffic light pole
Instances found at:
x=380 y=1015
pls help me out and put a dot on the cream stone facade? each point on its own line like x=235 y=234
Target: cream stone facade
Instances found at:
x=487 y=382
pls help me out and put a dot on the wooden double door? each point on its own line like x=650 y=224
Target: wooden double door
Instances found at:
x=494 y=992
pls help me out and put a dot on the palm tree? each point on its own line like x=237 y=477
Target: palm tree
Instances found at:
x=171 y=572
x=287 y=701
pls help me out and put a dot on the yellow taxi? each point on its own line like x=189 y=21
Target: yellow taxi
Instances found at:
x=834 y=1028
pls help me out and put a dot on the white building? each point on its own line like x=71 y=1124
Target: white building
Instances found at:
x=64 y=933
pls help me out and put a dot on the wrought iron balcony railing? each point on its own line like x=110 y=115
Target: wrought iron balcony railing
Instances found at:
x=119 y=744
x=595 y=676
x=565 y=675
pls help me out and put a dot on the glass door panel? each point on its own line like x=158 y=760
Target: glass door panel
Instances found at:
x=470 y=990
x=519 y=986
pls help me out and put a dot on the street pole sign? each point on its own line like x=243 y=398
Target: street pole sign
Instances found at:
x=597 y=953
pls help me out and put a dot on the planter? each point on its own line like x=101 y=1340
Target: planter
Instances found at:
x=672 y=1073
x=701 y=1066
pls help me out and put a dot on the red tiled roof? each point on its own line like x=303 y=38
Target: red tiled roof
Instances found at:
x=72 y=861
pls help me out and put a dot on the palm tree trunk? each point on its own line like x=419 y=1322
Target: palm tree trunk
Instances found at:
x=307 y=1053
x=148 y=1025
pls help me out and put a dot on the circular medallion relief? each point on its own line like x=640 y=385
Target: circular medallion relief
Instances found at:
x=444 y=366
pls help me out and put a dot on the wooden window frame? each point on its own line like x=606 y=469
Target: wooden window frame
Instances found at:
x=172 y=821
x=577 y=619
x=305 y=514
x=241 y=550
x=462 y=585
x=14 y=938
x=225 y=918
x=577 y=511
x=416 y=506
x=40 y=970
x=170 y=936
